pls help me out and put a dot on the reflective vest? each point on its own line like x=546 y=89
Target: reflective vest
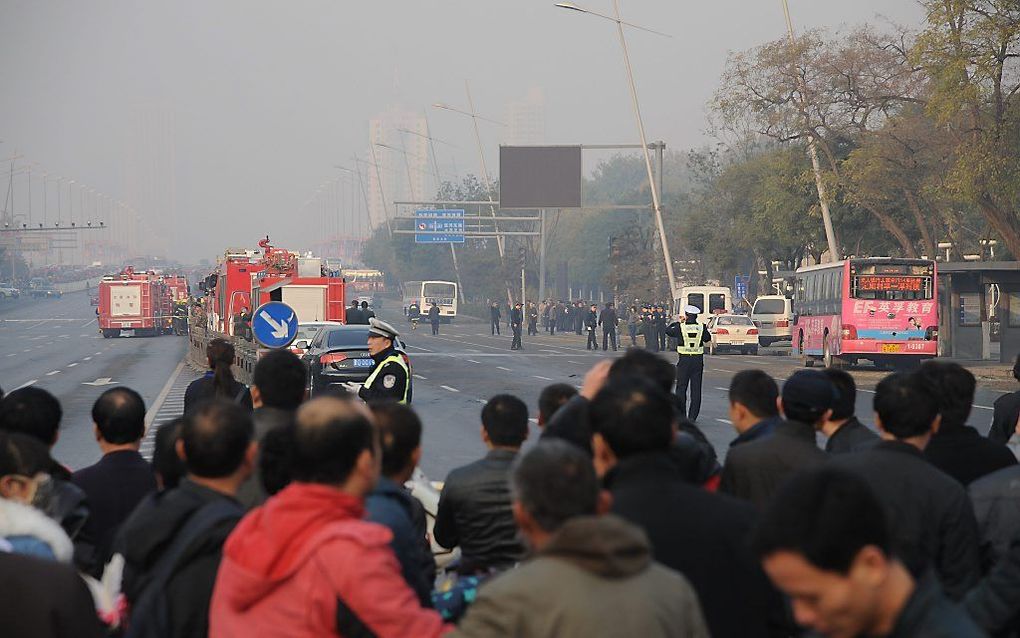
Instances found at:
x=690 y=341
x=396 y=358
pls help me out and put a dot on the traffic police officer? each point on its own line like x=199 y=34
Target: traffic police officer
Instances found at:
x=691 y=338
x=390 y=379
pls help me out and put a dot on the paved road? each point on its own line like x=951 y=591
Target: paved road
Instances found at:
x=458 y=370
x=55 y=344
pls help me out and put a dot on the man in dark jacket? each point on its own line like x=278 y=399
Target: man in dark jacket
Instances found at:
x=217 y=444
x=956 y=448
x=699 y=534
x=532 y=319
x=516 y=325
x=494 y=317
x=843 y=431
x=995 y=499
x=117 y=482
x=825 y=541
x=994 y=603
x=754 y=405
x=474 y=506
x=608 y=321
x=580 y=314
x=591 y=322
x=931 y=520
x=45 y=599
x=392 y=505
x=279 y=384
x=1006 y=412
x=366 y=312
x=434 y=318
x=755 y=470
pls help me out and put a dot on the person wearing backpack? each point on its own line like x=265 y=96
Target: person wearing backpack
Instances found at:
x=172 y=543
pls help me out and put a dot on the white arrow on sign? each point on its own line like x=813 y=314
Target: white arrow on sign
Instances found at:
x=279 y=329
x=101 y=381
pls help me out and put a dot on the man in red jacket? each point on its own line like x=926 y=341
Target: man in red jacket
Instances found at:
x=305 y=563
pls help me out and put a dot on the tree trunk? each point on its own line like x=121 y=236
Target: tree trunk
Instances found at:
x=1004 y=223
x=895 y=230
x=929 y=244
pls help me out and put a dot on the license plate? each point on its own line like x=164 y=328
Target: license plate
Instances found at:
x=364 y=363
x=890 y=347
x=126 y=332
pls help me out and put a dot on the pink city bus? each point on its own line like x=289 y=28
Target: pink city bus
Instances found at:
x=880 y=309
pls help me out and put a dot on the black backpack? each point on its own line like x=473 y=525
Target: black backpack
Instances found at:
x=149 y=615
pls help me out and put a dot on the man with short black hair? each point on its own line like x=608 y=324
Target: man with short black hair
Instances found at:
x=116 y=483
x=699 y=534
x=755 y=470
x=279 y=385
x=843 y=431
x=956 y=448
x=354 y=315
x=173 y=542
x=931 y=520
x=474 y=507
x=754 y=405
x=824 y=540
x=307 y=555
x=550 y=400
x=587 y=567
x=392 y=505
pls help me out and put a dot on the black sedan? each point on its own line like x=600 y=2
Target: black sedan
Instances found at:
x=339 y=354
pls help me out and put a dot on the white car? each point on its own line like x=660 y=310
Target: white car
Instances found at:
x=773 y=314
x=733 y=332
x=7 y=291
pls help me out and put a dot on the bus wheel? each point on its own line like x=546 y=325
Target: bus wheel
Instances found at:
x=807 y=359
x=827 y=358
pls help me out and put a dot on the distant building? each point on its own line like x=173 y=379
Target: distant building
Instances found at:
x=525 y=120
x=395 y=184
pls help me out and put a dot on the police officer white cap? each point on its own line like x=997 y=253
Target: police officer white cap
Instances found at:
x=380 y=328
x=692 y=310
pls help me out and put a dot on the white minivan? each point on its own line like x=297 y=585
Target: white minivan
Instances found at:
x=773 y=314
x=711 y=300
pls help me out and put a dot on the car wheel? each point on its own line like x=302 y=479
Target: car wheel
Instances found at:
x=753 y=350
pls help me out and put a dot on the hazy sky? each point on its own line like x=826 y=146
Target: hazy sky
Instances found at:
x=267 y=96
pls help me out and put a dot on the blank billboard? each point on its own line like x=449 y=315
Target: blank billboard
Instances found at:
x=539 y=176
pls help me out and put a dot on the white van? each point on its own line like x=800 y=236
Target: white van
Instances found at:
x=712 y=300
x=773 y=314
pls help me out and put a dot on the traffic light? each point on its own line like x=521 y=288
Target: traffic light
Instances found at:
x=522 y=256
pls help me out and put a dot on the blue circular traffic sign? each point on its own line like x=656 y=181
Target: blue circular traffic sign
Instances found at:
x=274 y=324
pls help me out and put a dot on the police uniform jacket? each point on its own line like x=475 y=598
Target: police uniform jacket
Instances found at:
x=390 y=383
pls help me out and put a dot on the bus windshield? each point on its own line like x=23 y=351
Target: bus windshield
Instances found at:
x=442 y=293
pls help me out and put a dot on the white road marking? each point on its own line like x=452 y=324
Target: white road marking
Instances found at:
x=864 y=390
x=419 y=348
x=576 y=363
x=63 y=336
x=87 y=359
x=88 y=324
x=99 y=353
x=26 y=384
x=446 y=387
x=481 y=400
x=541 y=377
x=418 y=376
x=502 y=368
x=470 y=360
x=984 y=407
x=723 y=389
x=158 y=403
x=726 y=421
x=50 y=374
x=13 y=354
x=27 y=350
x=71 y=365
x=720 y=370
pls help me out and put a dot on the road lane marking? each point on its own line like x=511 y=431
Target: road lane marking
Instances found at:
x=98 y=353
x=720 y=370
x=481 y=400
x=502 y=368
x=13 y=354
x=418 y=376
x=446 y=387
x=576 y=363
x=726 y=421
x=723 y=389
x=87 y=359
x=158 y=403
x=984 y=407
x=50 y=374
x=541 y=377
x=71 y=365
x=88 y=324
x=26 y=384
x=419 y=348
x=27 y=350
x=470 y=360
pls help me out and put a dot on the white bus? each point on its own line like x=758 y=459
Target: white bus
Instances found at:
x=444 y=293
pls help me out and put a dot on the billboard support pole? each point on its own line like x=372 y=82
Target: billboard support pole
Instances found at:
x=541 y=259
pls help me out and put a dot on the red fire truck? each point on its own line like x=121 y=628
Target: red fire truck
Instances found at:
x=246 y=279
x=132 y=304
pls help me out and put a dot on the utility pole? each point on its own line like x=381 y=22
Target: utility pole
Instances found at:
x=439 y=183
x=823 y=199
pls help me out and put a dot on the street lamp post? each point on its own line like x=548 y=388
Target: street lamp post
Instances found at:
x=656 y=204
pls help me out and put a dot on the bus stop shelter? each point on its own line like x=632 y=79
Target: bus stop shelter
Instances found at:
x=979 y=310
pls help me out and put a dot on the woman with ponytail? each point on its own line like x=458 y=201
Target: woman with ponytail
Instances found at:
x=219 y=381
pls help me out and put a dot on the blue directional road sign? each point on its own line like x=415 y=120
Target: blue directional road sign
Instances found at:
x=439 y=226
x=740 y=285
x=274 y=325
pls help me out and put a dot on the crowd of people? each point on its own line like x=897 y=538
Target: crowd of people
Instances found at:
x=262 y=513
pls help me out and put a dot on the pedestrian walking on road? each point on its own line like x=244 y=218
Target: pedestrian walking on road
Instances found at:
x=494 y=317
x=532 y=319
x=690 y=363
x=516 y=324
x=591 y=322
x=434 y=318
x=633 y=322
x=579 y=317
x=608 y=321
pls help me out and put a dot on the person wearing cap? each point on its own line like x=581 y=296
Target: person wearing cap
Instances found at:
x=755 y=470
x=691 y=338
x=390 y=379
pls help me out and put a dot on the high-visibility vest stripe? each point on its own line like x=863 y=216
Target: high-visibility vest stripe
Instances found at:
x=690 y=340
x=398 y=360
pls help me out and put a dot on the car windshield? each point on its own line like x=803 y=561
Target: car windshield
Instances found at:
x=346 y=338
x=307 y=331
x=770 y=307
x=734 y=321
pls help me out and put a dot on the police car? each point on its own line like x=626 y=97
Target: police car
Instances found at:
x=338 y=354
